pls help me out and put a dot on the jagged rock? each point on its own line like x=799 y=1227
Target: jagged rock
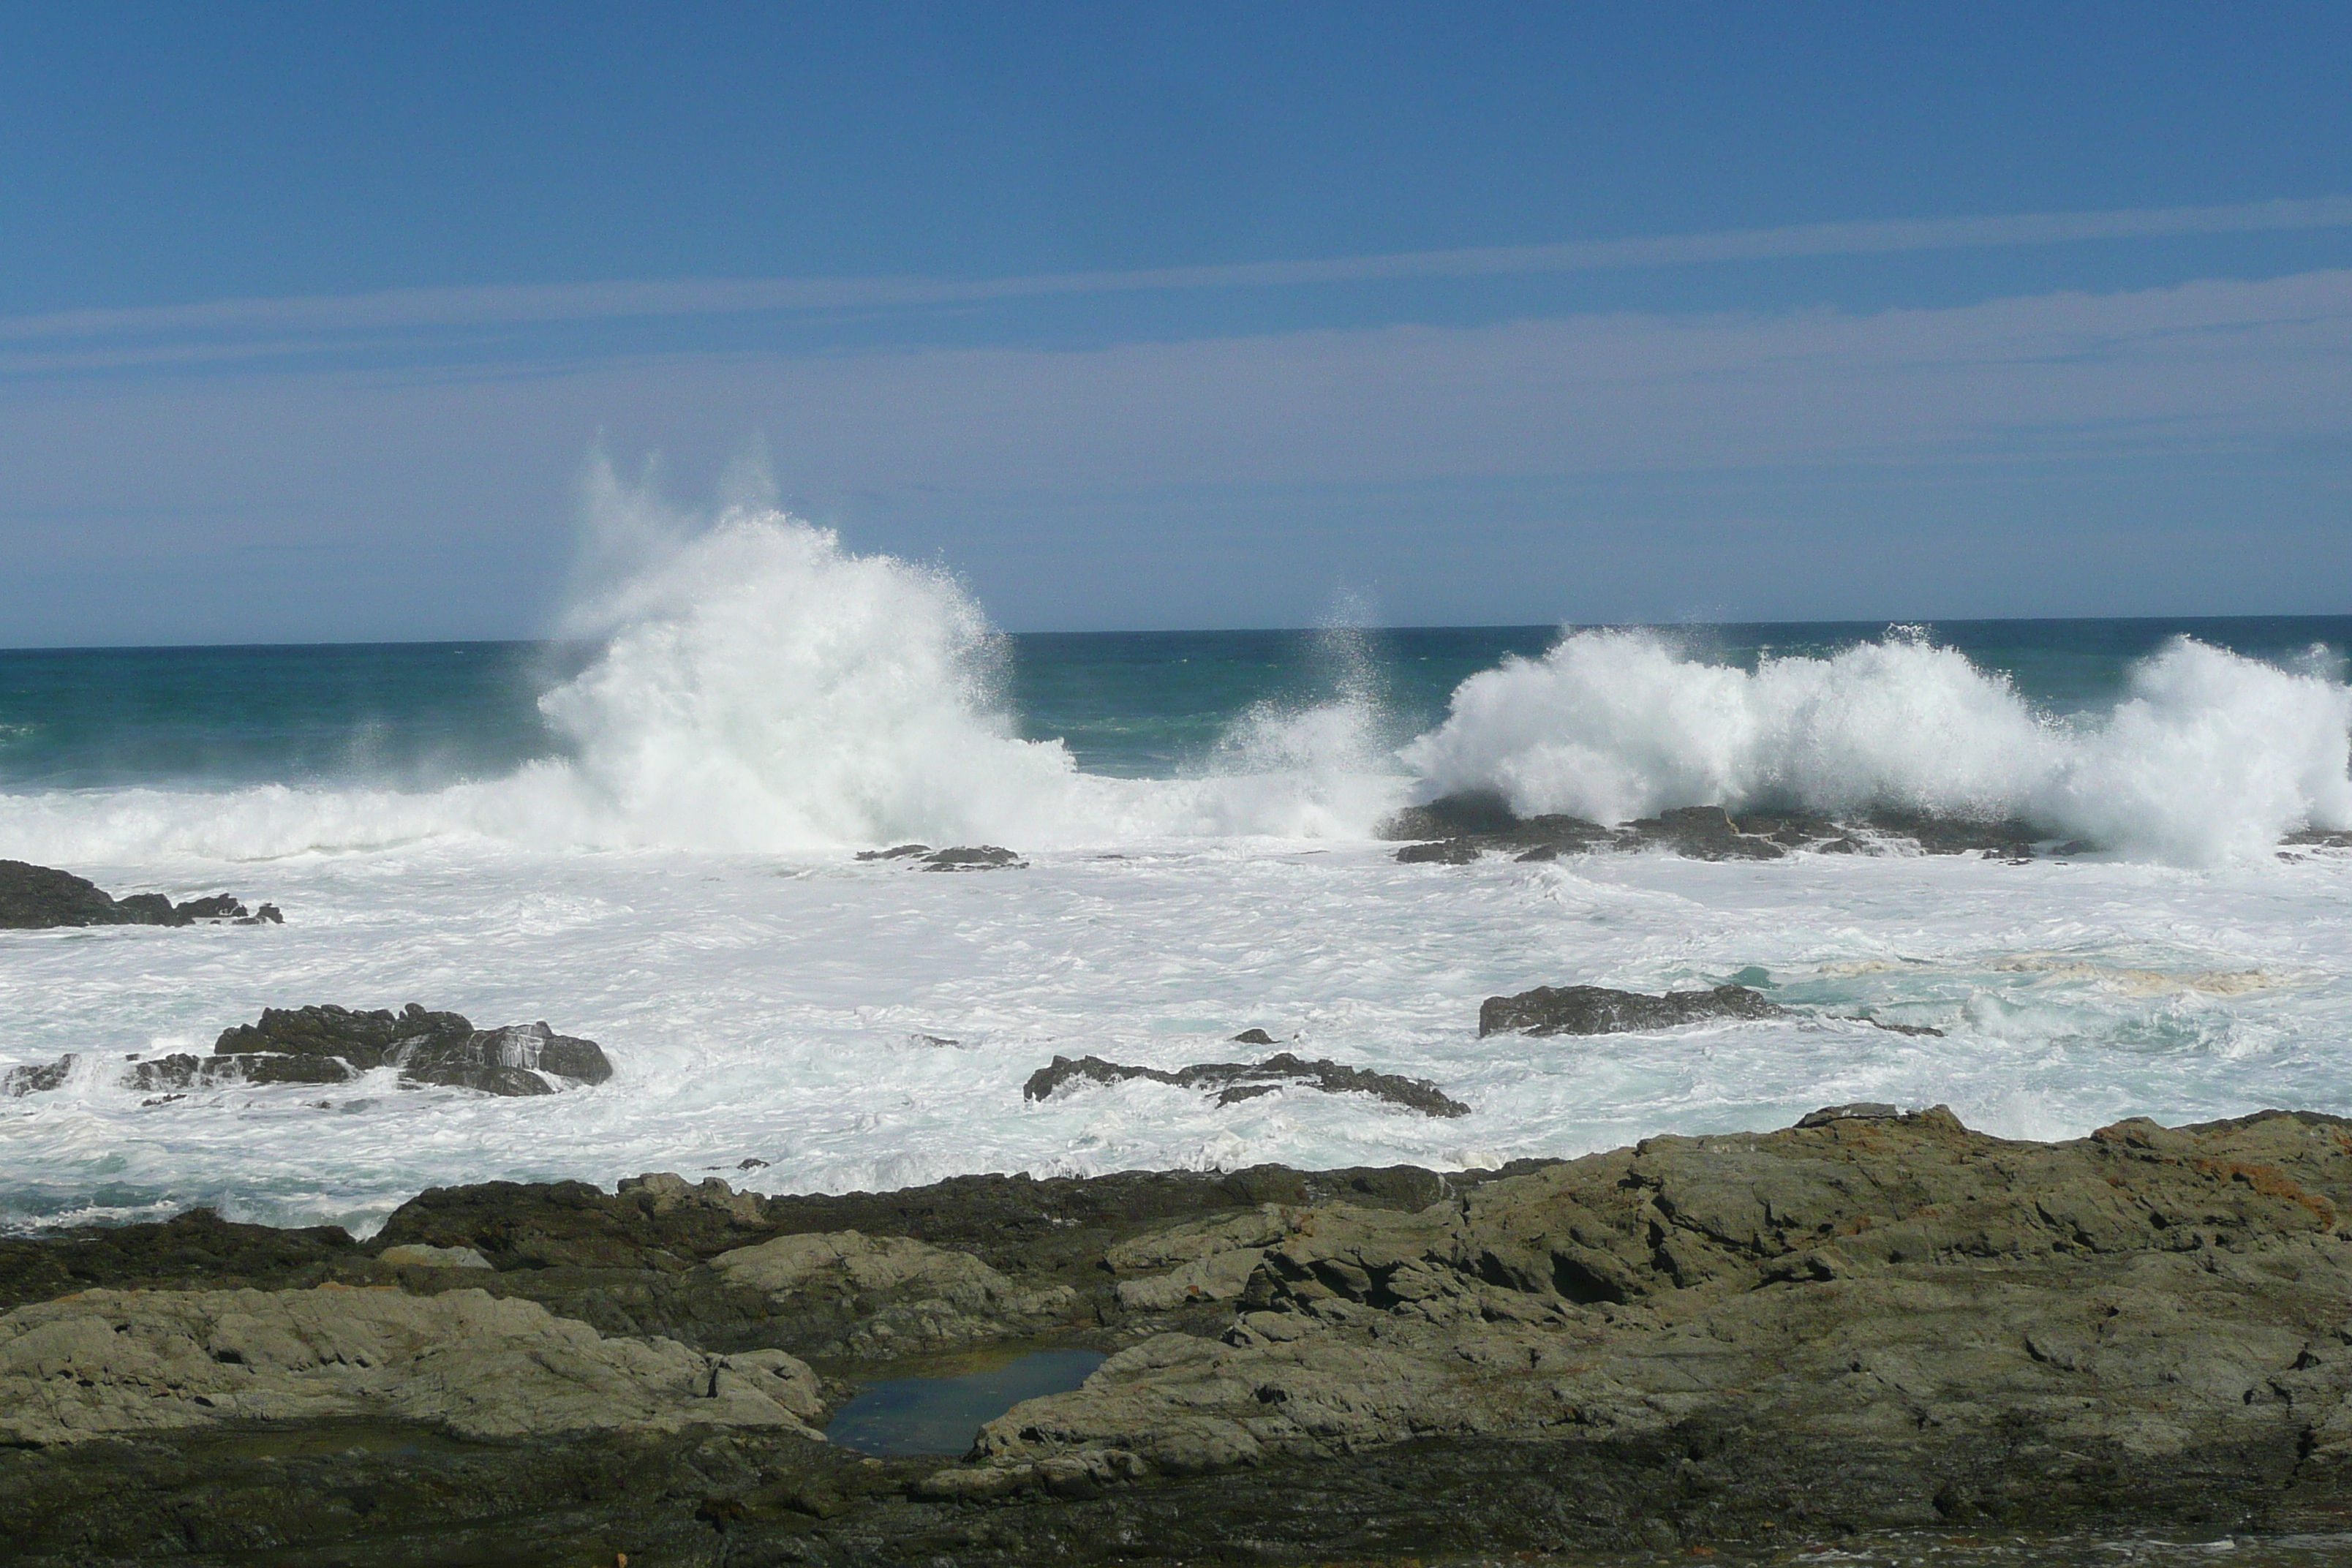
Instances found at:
x=1252 y=1037
x=1237 y=1082
x=35 y=898
x=1893 y=1282
x=37 y=1077
x=1701 y=833
x=330 y=1044
x=1199 y=1261
x=1597 y=1010
x=959 y=857
x=1461 y=827
x=110 y=1363
x=973 y=857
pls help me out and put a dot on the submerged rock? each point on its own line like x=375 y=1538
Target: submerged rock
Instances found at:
x=974 y=858
x=38 y=898
x=958 y=858
x=329 y=1045
x=36 y=1077
x=1237 y=1082
x=1597 y=1010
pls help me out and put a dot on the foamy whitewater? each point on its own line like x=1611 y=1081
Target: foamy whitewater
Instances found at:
x=679 y=884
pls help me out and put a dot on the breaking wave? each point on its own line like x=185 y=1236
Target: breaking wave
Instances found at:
x=2210 y=756
x=761 y=689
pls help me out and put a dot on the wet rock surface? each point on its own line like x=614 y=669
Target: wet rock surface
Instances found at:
x=1597 y=1010
x=39 y=898
x=1880 y=1321
x=1459 y=829
x=958 y=857
x=330 y=1044
x=1236 y=1081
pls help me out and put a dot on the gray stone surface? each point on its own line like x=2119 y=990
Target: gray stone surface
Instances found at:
x=114 y=1362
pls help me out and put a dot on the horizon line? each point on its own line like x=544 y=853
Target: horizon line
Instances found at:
x=1930 y=623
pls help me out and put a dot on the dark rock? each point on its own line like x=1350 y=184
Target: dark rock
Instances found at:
x=897 y=852
x=2008 y=838
x=220 y=907
x=974 y=858
x=2309 y=837
x=1925 y=1029
x=1460 y=828
x=334 y=1045
x=1246 y=1080
x=1861 y=1111
x=1452 y=816
x=1701 y=833
x=266 y=915
x=145 y=910
x=36 y=1078
x=1252 y=1037
x=35 y=898
x=1597 y=1010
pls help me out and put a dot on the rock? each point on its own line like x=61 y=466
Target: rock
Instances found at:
x=973 y=857
x=1238 y=1082
x=1252 y=1037
x=330 y=1044
x=1773 y=1341
x=35 y=898
x=1701 y=833
x=1597 y=1010
x=107 y=1363
x=1874 y=1281
x=36 y=1077
x=1461 y=827
x=1861 y=1111
x=897 y=852
x=1455 y=815
x=910 y=1297
x=415 y=1256
x=665 y=1191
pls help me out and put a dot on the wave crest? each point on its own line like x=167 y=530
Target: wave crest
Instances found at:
x=2210 y=757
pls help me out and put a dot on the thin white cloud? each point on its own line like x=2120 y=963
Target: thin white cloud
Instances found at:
x=460 y=309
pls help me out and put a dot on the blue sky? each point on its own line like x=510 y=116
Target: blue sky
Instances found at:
x=311 y=317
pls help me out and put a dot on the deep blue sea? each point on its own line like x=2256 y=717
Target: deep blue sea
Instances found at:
x=1128 y=704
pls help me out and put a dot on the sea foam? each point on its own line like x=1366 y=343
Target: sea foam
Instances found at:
x=763 y=689
x=2210 y=756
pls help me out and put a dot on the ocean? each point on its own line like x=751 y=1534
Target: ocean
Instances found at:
x=645 y=833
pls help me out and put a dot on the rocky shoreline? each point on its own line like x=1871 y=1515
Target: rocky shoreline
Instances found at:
x=1734 y=1343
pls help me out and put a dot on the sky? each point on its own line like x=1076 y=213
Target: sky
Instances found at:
x=313 y=317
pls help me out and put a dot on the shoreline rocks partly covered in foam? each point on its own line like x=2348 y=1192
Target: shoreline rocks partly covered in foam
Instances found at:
x=1879 y=1320
x=1458 y=829
x=331 y=1045
x=1234 y=1082
x=40 y=898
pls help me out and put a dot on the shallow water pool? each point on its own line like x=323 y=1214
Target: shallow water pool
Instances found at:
x=940 y=1414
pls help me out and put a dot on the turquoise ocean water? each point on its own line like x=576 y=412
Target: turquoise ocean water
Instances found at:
x=1128 y=704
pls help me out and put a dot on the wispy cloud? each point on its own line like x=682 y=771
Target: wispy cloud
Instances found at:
x=167 y=330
